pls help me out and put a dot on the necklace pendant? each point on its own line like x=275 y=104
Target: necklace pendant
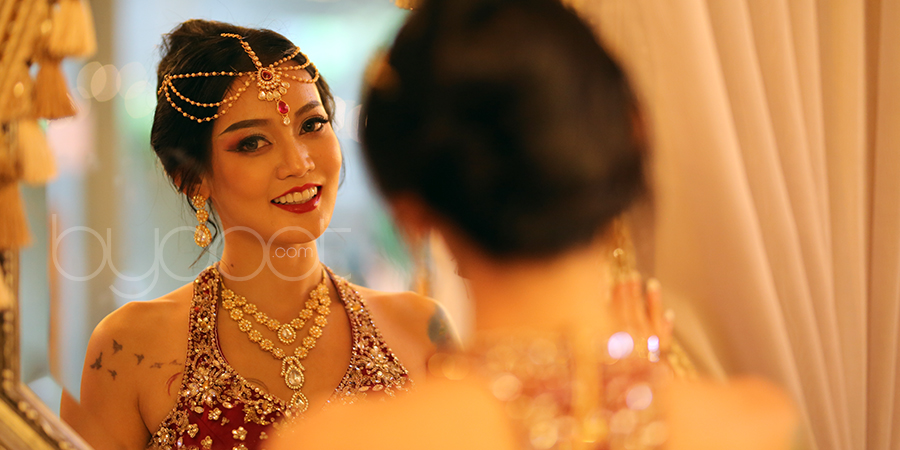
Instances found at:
x=299 y=403
x=292 y=371
x=287 y=334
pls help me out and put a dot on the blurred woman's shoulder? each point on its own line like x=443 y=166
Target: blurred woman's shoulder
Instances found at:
x=742 y=413
x=447 y=415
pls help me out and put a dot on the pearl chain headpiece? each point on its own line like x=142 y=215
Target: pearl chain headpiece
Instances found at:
x=269 y=80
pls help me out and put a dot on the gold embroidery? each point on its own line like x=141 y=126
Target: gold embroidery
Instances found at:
x=210 y=385
x=239 y=433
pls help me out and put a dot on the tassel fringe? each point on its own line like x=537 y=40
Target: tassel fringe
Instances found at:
x=19 y=104
x=51 y=95
x=6 y=297
x=13 y=227
x=72 y=32
x=35 y=156
x=9 y=169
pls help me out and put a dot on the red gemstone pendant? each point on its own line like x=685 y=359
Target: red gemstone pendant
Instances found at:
x=266 y=75
x=284 y=109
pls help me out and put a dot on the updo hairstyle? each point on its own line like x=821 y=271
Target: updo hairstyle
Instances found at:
x=183 y=145
x=509 y=120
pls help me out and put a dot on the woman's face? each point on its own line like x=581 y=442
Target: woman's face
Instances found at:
x=278 y=180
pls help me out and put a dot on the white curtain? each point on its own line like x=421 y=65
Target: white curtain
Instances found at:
x=777 y=192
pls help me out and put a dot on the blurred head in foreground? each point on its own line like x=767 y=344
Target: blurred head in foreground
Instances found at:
x=506 y=124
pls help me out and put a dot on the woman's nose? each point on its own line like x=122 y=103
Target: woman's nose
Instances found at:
x=297 y=161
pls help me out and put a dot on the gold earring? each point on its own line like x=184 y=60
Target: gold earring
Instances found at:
x=202 y=236
x=624 y=262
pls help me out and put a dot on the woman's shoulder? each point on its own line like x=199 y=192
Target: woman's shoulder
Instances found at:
x=743 y=413
x=139 y=317
x=140 y=334
x=405 y=306
x=130 y=356
x=416 y=314
x=442 y=415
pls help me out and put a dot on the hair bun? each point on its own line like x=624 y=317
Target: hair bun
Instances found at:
x=509 y=119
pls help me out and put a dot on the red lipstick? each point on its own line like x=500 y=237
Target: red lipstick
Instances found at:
x=304 y=207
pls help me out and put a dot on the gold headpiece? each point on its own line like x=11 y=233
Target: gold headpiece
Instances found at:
x=268 y=80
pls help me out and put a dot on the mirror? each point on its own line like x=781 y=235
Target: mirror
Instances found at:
x=25 y=422
x=110 y=228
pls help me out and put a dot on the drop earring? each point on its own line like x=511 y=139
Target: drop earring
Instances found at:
x=202 y=236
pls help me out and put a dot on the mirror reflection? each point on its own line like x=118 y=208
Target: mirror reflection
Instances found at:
x=112 y=229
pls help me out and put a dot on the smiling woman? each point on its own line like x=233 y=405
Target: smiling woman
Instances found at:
x=243 y=124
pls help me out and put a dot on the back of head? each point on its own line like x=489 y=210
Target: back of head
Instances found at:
x=509 y=120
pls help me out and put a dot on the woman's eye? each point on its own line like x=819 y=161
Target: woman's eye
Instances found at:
x=312 y=125
x=251 y=144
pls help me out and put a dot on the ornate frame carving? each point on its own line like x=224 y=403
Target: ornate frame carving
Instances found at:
x=25 y=422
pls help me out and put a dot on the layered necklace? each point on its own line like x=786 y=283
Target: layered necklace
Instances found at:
x=291 y=369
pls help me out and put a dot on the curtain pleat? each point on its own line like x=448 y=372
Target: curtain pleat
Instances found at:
x=883 y=417
x=758 y=66
x=777 y=188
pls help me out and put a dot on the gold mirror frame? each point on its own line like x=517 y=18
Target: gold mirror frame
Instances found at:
x=25 y=422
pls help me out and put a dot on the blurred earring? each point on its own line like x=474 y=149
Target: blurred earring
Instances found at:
x=202 y=236
x=624 y=261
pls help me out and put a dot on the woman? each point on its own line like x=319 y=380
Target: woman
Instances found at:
x=243 y=124
x=504 y=125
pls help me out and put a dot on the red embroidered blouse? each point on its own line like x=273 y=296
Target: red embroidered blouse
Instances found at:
x=219 y=409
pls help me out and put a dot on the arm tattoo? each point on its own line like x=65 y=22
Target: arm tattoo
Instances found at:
x=113 y=373
x=139 y=358
x=116 y=347
x=175 y=362
x=169 y=383
x=439 y=329
x=157 y=365
x=97 y=363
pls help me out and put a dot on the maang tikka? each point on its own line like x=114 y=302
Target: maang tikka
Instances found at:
x=269 y=80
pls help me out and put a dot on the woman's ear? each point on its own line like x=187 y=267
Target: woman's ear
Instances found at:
x=201 y=188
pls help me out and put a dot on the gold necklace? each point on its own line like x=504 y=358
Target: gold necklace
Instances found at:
x=286 y=332
x=291 y=368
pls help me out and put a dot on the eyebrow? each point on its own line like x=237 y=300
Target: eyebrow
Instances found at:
x=261 y=122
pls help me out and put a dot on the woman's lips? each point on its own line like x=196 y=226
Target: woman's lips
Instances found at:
x=300 y=208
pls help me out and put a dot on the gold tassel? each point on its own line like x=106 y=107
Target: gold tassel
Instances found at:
x=9 y=169
x=13 y=227
x=35 y=156
x=20 y=23
x=51 y=95
x=18 y=104
x=72 y=32
x=6 y=296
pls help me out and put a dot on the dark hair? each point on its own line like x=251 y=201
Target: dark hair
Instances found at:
x=183 y=145
x=507 y=118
